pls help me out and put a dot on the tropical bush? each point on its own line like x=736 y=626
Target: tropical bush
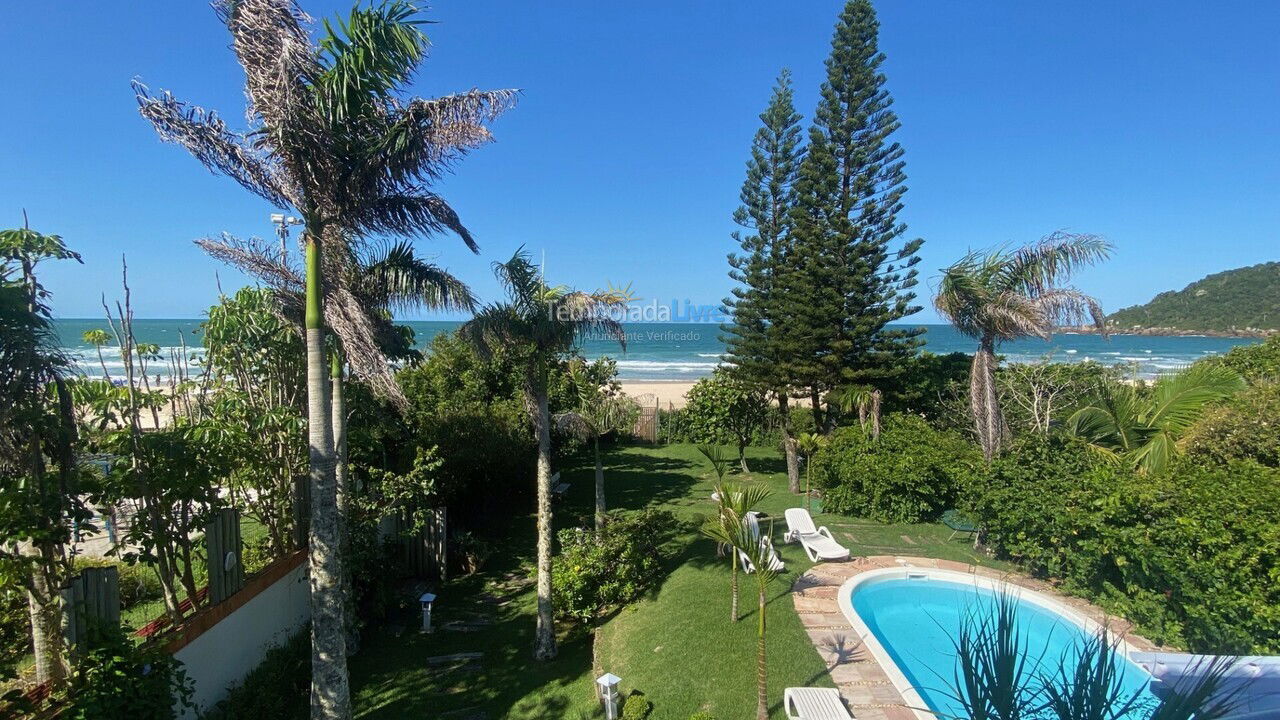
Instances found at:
x=1190 y=555
x=1247 y=427
x=1257 y=362
x=910 y=474
x=115 y=678
x=600 y=570
x=722 y=409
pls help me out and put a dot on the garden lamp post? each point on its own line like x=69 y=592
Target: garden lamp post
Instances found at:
x=609 y=695
x=427 y=599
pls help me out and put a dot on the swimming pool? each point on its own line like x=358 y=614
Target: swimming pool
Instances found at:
x=910 y=618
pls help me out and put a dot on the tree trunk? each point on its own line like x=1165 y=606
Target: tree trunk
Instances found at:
x=815 y=401
x=338 y=406
x=762 y=685
x=984 y=403
x=742 y=457
x=44 y=603
x=600 y=509
x=544 y=643
x=733 y=572
x=330 y=692
x=789 y=444
x=876 y=398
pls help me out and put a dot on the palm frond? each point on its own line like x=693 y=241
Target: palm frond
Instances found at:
x=1069 y=306
x=368 y=56
x=1035 y=269
x=415 y=212
x=400 y=280
x=204 y=134
x=425 y=137
x=1179 y=401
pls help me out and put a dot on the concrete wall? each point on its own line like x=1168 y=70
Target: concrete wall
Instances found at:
x=223 y=643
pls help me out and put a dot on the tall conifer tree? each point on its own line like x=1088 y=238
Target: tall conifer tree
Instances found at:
x=853 y=271
x=768 y=198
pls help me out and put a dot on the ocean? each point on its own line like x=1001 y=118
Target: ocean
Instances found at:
x=687 y=351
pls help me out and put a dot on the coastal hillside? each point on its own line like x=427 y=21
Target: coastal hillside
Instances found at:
x=1244 y=301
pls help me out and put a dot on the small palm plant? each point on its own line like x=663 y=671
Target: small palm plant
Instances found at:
x=601 y=410
x=1144 y=427
x=809 y=444
x=865 y=400
x=733 y=502
x=758 y=551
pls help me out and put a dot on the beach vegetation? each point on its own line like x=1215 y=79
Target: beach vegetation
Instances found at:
x=911 y=473
x=1005 y=294
x=607 y=567
x=538 y=324
x=1245 y=427
x=723 y=409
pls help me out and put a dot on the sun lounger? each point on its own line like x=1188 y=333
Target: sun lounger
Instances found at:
x=814 y=704
x=752 y=522
x=816 y=541
x=958 y=523
x=558 y=489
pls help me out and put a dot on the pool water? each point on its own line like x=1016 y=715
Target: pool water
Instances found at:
x=917 y=622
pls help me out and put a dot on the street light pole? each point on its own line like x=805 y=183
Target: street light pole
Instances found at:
x=282 y=224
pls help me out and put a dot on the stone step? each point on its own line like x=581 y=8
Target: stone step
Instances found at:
x=464 y=657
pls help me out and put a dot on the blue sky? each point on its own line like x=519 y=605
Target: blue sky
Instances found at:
x=1157 y=125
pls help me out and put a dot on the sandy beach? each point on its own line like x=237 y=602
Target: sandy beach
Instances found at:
x=668 y=393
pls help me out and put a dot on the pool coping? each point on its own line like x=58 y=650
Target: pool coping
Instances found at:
x=868 y=679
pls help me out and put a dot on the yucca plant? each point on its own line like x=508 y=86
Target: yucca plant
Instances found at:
x=1143 y=427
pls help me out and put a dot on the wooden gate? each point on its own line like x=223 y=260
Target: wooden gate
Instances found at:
x=91 y=600
x=646 y=427
x=426 y=553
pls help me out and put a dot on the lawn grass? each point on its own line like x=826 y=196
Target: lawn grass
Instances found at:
x=677 y=645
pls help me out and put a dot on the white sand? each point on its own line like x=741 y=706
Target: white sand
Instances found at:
x=668 y=393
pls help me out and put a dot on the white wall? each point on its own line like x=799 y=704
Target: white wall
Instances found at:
x=226 y=652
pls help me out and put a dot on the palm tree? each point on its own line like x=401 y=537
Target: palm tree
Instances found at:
x=1143 y=427
x=600 y=411
x=540 y=323
x=1005 y=295
x=729 y=527
x=809 y=444
x=98 y=338
x=332 y=140
x=733 y=502
x=865 y=400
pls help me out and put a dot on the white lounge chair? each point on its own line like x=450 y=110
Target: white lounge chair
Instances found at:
x=814 y=704
x=816 y=541
x=752 y=521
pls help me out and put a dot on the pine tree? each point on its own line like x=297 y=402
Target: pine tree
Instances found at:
x=768 y=197
x=848 y=280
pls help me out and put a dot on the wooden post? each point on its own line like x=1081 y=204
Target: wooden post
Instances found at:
x=226 y=566
x=90 y=602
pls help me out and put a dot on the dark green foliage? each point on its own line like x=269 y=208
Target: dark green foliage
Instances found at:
x=753 y=339
x=138 y=583
x=911 y=474
x=15 y=625
x=1190 y=555
x=846 y=278
x=924 y=383
x=1247 y=427
x=275 y=690
x=1247 y=297
x=119 y=679
x=1255 y=363
x=724 y=409
x=599 y=571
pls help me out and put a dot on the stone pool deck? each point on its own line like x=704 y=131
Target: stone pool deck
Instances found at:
x=865 y=687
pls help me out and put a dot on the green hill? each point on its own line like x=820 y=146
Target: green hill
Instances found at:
x=1241 y=301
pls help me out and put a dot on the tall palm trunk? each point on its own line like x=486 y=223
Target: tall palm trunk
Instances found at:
x=733 y=583
x=600 y=509
x=45 y=608
x=330 y=691
x=544 y=643
x=789 y=444
x=984 y=403
x=762 y=685
x=338 y=405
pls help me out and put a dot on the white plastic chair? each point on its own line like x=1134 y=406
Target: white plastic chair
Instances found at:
x=752 y=521
x=814 y=704
x=817 y=542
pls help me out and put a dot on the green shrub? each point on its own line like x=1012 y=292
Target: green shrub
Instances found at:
x=1255 y=362
x=15 y=622
x=910 y=474
x=1190 y=555
x=1247 y=427
x=723 y=410
x=278 y=689
x=596 y=572
x=636 y=707
x=117 y=679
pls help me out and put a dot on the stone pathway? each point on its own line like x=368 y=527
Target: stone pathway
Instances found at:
x=865 y=687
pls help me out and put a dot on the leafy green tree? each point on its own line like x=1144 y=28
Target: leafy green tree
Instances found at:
x=539 y=324
x=723 y=408
x=600 y=410
x=851 y=271
x=333 y=141
x=40 y=482
x=1004 y=295
x=99 y=338
x=754 y=339
x=1145 y=428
